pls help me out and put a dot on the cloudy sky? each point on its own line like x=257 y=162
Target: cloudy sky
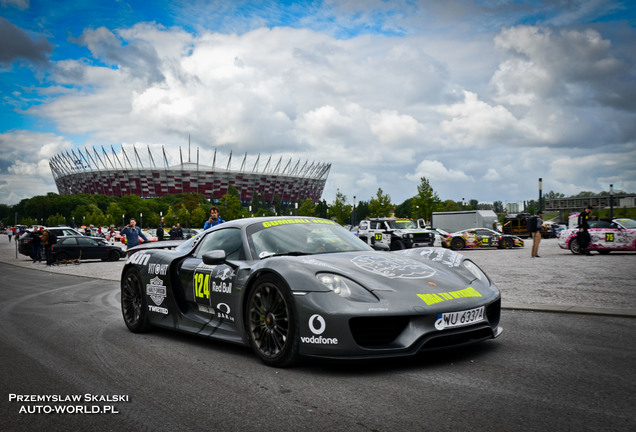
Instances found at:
x=480 y=97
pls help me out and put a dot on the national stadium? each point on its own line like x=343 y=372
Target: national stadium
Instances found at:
x=114 y=174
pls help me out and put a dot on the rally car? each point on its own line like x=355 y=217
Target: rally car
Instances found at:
x=606 y=235
x=480 y=238
x=305 y=287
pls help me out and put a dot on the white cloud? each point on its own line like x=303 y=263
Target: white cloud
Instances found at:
x=479 y=109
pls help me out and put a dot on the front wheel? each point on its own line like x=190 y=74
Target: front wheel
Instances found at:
x=508 y=243
x=271 y=322
x=133 y=302
x=397 y=245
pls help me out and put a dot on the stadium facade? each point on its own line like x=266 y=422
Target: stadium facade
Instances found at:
x=113 y=174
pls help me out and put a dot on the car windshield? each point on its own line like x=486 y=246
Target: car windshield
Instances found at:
x=402 y=224
x=301 y=236
x=628 y=223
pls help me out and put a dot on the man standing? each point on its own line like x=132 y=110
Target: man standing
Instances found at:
x=536 y=233
x=176 y=233
x=583 y=236
x=36 y=245
x=214 y=219
x=132 y=233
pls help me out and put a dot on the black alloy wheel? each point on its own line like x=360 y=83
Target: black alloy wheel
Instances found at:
x=271 y=322
x=133 y=302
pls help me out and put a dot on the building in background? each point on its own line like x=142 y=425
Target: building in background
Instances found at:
x=113 y=174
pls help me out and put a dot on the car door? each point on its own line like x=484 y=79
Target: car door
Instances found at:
x=210 y=289
x=68 y=246
x=483 y=238
x=90 y=248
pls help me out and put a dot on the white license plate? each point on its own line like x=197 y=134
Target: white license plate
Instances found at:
x=459 y=319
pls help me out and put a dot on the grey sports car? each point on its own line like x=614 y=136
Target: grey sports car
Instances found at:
x=305 y=287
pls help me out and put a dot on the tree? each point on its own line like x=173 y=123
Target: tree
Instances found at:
x=340 y=210
x=231 y=204
x=426 y=201
x=381 y=204
x=498 y=207
x=307 y=208
x=362 y=211
x=322 y=209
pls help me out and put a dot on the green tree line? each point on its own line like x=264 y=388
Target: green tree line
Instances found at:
x=191 y=210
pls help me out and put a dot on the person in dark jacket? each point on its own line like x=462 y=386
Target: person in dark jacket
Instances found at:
x=36 y=246
x=160 y=233
x=583 y=236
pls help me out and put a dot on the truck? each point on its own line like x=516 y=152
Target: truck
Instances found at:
x=517 y=224
x=453 y=221
x=396 y=233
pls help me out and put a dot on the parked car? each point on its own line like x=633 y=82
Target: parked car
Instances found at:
x=82 y=247
x=24 y=242
x=606 y=235
x=480 y=238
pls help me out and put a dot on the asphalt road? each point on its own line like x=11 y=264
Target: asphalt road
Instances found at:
x=62 y=335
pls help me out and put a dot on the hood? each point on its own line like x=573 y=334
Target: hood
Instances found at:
x=417 y=270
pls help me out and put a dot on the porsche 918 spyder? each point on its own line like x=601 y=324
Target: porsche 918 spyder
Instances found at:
x=480 y=238
x=305 y=287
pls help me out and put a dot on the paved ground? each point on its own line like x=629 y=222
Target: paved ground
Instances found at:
x=557 y=281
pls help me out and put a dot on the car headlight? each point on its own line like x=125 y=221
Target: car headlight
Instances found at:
x=476 y=271
x=346 y=288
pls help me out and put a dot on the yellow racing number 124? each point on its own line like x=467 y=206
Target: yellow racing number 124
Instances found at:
x=201 y=285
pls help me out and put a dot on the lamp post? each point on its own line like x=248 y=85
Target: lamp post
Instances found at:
x=353 y=213
x=540 y=190
x=611 y=201
x=463 y=204
x=296 y=207
x=122 y=220
x=141 y=219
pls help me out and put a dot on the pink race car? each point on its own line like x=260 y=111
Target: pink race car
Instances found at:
x=607 y=235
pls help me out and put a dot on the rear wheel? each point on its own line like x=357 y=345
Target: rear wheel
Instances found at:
x=457 y=244
x=62 y=256
x=271 y=322
x=575 y=247
x=113 y=256
x=133 y=302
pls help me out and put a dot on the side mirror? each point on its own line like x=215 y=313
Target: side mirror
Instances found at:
x=214 y=257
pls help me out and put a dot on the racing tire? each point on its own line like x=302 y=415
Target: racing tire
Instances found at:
x=271 y=322
x=575 y=248
x=603 y=252
x=113 y=256
x=457 y=244
x=61 y=257
x=397 y=245
x=508 y=243
x=133 y=302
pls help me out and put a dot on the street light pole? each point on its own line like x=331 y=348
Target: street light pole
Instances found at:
x=540 y=190
x=611 y=201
